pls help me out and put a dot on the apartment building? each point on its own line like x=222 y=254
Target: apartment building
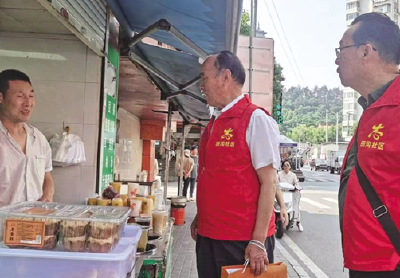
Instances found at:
x=351 y=109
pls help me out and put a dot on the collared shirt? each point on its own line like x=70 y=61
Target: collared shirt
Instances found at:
x=22 y=175
x=262 y=137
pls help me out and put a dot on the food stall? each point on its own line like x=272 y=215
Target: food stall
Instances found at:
x=113 y=236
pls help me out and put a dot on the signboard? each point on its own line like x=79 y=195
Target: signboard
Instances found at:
x=109 y=121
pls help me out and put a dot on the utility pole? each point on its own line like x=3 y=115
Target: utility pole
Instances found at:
x=337 y=130
x=252 y=34
x=326 y=129
x=167 y=151
x=180 y=185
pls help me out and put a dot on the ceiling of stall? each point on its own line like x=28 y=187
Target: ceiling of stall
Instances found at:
x=28 y=16
x=138 y=95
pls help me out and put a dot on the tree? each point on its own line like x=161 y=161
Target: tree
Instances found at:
x=307 y=107
x=245 y=27
x=277 y=92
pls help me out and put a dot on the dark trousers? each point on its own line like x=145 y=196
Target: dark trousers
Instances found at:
x=186 y=182
x=192 y=185
x=379 y=274
x=213 y=254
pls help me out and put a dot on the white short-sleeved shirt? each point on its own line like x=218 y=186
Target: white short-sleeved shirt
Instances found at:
x=262 y=137
x=22 y=176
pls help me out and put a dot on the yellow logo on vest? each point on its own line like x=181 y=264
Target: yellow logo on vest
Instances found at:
x=227 y=136
x=376 y=134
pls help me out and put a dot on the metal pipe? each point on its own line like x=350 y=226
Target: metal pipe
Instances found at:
x=190 y=83
x=251 y=51
x=145 y=33
x=182 y=157
x=337 y=130
x=186 y=93
x=255 y=19
x=326 y=127
x=179 y=35
x=167 y=151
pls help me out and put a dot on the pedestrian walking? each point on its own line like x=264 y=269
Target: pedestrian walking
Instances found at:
x=368 y=59
x=193 y=175
x=238 y=159
x=188 y=165
x=286 y=175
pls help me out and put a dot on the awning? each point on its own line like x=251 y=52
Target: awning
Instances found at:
x=286 y=142
x=193 y=28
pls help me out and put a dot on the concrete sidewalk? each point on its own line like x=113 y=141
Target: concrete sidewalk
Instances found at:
x=184 y=253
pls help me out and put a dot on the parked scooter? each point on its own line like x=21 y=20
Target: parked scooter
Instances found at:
x=287 y=192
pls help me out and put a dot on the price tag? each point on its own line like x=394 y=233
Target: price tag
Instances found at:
x=24 y=233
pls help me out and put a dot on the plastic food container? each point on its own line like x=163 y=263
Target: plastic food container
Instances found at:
x=51 y=226
x=22 y=263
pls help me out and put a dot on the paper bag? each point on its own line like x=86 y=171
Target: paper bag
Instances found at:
x=275 y=270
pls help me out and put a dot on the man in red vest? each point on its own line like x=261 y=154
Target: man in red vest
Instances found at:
x=369 y=196
x=238 y=160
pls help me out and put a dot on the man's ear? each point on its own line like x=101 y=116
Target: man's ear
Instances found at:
x=1 y=97
x=227 y=75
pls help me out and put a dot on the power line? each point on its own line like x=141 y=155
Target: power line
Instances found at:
x=280 y=41
x=287 y=41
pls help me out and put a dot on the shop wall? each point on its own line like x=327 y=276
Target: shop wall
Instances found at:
x=130 y=145
x=66 y=77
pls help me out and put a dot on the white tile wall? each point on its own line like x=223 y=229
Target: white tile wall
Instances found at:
x=66 y=77
x=130 y=130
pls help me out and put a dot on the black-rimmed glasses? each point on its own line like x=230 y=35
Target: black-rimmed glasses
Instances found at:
x=339 y=49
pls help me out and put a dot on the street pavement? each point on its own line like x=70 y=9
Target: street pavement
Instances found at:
x=314 y=253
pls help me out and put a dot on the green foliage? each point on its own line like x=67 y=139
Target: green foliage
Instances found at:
x=245 y=27
x=277 y=92
x=304 y=113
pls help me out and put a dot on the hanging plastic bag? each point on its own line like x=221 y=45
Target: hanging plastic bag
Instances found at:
x=67 y=149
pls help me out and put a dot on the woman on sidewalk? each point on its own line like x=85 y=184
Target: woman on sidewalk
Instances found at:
x=289 y=177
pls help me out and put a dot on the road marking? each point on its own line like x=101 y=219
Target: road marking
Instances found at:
x=304 y=258
x=314 y=203
x=296 y=266
x=331 y=200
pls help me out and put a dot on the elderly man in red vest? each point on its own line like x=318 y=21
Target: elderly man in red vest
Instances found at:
x=369 y=196
x=238 y=159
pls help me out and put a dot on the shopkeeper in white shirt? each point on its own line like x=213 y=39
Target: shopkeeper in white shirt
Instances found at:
x=25 y=154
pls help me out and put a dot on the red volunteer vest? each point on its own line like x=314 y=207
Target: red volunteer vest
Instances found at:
x=366 y=246
x=228 y=185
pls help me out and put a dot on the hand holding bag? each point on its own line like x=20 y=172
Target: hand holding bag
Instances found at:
x=275 y=270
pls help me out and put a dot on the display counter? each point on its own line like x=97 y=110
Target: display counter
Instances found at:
x=157 y=264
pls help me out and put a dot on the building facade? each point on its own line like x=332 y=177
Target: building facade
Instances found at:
x=351 y=109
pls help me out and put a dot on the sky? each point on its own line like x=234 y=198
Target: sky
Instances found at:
x=313 y=29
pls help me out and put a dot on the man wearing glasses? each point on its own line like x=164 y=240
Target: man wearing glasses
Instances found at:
x=369 y=196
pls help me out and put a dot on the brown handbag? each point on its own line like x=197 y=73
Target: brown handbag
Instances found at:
x=275 y=270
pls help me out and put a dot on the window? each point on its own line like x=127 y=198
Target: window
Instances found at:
x=386 y=8
x=352 y=5
x=351 y=16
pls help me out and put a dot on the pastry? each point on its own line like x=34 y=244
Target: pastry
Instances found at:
x=95 y=245
x=49 y=242
x=74 y=244
x=51 y=226
x=101 y=230
x=73 y=228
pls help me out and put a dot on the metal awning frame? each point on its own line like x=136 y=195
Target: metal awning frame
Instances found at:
x=164 y=25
